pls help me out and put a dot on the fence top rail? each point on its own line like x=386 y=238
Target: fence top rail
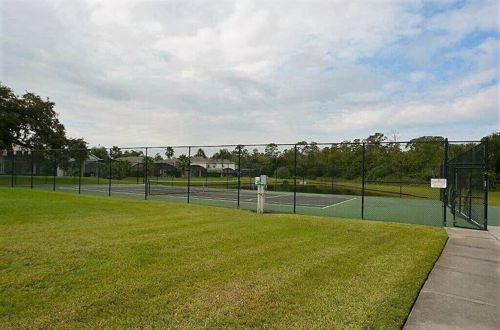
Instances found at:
x=256 y=145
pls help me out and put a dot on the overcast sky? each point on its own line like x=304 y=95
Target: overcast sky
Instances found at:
x=196 y=72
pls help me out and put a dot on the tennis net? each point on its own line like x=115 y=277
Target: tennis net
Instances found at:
x=177 y=187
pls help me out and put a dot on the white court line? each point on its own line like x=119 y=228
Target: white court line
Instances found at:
x=339 y=203
x=268 y=197
x=251 y=200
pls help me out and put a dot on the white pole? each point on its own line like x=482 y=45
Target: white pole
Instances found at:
x=260 y=198
x=261 y=188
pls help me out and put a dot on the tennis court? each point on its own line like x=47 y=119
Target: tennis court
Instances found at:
x=206 y=192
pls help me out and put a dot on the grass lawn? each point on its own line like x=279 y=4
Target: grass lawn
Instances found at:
x=72 y=261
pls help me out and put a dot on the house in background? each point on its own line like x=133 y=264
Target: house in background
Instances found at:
x=166 y=167
x=200 y=166
x=91 y=166
x=135 y=161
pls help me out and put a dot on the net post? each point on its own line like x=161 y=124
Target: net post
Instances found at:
x=12 y=169
x=110 y=172
x=146 y=175
x=239 y=173
x=32 y=168
x=295 y=180
x=189 y=173
x=486 y=182
x=445 y=174
x=55 y=172
x=363 y=181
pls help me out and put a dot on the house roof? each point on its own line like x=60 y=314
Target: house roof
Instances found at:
x=170 y=161
x=133 y=159
x=93 y=158
x=198 y=159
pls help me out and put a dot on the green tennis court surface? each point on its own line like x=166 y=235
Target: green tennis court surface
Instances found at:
x=408 y=210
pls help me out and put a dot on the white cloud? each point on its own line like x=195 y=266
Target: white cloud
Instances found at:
x=177 y=72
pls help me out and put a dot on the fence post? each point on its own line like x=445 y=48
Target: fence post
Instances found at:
x=401 y=181
x=145 y=177
x=189 y=172
x=12 y=169
x=110 y=172
x=363 y=183
x=55 y=171
x=445 y=173
x=82 y=164
x=295 y=180
x=137 y=174
x=486 y=183
x=239 y=173
x=333 y=174
x=32 y=167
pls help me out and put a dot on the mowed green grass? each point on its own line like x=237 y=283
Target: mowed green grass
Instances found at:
x=82 y=261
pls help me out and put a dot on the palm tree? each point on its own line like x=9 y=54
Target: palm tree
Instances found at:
x=182 y=164
x=200 y=153
x=169 y=152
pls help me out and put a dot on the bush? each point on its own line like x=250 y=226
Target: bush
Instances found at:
x=283 y=172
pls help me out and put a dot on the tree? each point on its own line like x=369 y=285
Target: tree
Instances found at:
x=493 y=157
x=200 y=153
x=149 y=163
x=272 y=150
x=115 y=152
x=222 y=154
x=283 y=173
x=102 y=154
x=182 y=164
x=169 y=152
x=158 y=157
x=77 y=150
x=29 y=122
x=425 y=154
x=132 y=153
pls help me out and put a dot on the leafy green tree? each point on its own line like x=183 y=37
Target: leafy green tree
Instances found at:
x=158 y=157
x=120 y=168
x=75 y=156
x=182 y=164
x=222 y=154
x=149 y=163
x=283 y=173
x=115 y=152
x=493 y=158
x=132 y=153
x=29 y=121
x=426 y=155
x=272 y=150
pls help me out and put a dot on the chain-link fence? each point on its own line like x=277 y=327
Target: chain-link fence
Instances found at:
x=376 y=180
x=467 y=186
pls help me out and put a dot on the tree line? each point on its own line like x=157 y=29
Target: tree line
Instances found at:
x=30 y=122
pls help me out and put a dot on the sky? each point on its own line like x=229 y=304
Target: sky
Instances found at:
x=136 y=73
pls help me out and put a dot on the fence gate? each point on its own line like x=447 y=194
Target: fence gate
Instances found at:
x=468 y=188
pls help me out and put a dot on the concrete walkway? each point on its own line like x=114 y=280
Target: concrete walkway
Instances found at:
x=463 y=288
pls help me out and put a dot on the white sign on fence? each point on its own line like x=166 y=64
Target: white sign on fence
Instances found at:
x=438 y=183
